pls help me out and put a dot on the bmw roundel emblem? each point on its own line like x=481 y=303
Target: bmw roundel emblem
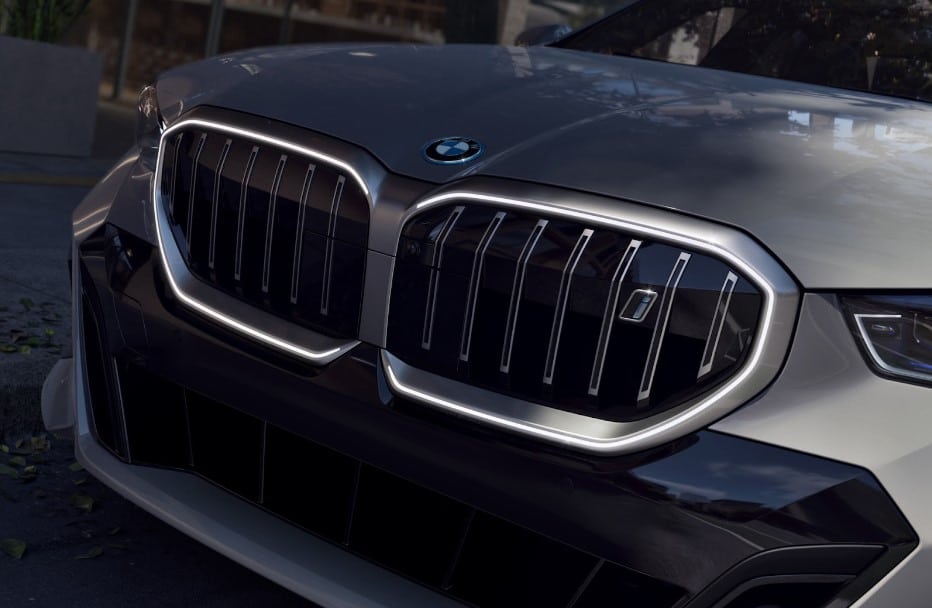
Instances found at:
x=452 y=150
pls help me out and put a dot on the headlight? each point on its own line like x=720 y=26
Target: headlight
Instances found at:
x=149 y=123
x=895 y=333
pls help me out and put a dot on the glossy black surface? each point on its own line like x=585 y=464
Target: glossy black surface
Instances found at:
x=313 y=279
x=525 y=297
x=681 y=515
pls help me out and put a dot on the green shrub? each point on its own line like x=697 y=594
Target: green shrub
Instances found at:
x=45 y=20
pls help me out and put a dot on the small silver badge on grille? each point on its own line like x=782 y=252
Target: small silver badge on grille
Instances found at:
x=638 y=305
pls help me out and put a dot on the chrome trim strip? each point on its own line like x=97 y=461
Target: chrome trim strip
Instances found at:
x=328 y=255
x=478 y=263
x=437 y=259
x=660 y=329
x=171 y=196
x=608 y=317
x=200 y=297
x=218 y=177
x=194 y=163
x=299 y=235
x=563 y=296
x=718 y=323
x=517 y=289
x=241 y=223
x=270 y=221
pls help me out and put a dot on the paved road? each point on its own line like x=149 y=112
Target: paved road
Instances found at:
x=142 y=562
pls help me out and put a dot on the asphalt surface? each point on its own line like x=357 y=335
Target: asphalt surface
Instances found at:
x=107 y=552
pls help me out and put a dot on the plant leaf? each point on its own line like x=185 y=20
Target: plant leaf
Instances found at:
x=18 y=461
x=7 y=348
x=76 y=466
x=85 y=503
x=8 y=470
x=40 y=443
x=114 y=531
x=4 y=448
x=30 y=470
x=96 y=551
x=13 y=547
x=81 y=481
x=27 y=303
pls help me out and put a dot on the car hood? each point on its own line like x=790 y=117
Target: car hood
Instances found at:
x=836 y=183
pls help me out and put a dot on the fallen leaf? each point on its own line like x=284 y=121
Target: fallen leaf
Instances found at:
x=16 y=335
x=13 y=547
x=94 y=552
x=24 y=349
x=8 y=470
x=114 y=531
x=30 y=470
x=27 y=303
x=18 y=444
x=119 y=546
x=76 y=466
x=81 y=481
x=39 y=494
x=40 y=443
x=7 y=348
x=18 y=461
x=85 y=503
x=4 y=448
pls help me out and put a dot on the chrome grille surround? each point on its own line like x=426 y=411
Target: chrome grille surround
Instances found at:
x=237 y=314
x=780 y=301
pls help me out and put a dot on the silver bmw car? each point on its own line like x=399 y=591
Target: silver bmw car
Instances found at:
x=640 y=317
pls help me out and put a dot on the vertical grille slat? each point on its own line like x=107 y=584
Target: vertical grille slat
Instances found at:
x=436 y=262
x=299 y=236
x=192 y=200
x=587 y=318
x=269 y=224
x=517 y=290
x=328 y=257
x=474 y=278
x=174 y=175
x=718 y=323
x=608 y=317
x=270 y=221
x=660 y=329
x=563 y=295
x=215 y=206
x=241 y=223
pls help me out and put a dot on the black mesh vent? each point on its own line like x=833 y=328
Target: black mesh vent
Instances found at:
x=428 y=537
x=578 y=317
x=281 y=231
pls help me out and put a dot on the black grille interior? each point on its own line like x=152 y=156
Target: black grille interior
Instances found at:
x=583 y=318
x=439 y=542
x=281 y=231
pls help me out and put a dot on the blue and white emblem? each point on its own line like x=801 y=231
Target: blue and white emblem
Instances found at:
x=452 y=150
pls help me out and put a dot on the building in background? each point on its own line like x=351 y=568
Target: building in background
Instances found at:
x=141 y=38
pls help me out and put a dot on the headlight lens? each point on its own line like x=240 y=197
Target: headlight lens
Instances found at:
x=149 y=123
x=895 y=332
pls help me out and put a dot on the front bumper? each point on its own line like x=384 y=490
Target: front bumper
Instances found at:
x=689 y=524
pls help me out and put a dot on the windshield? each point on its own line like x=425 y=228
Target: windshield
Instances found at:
x=882 y=46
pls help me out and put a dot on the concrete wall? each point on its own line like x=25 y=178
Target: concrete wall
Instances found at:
x=48 y=97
